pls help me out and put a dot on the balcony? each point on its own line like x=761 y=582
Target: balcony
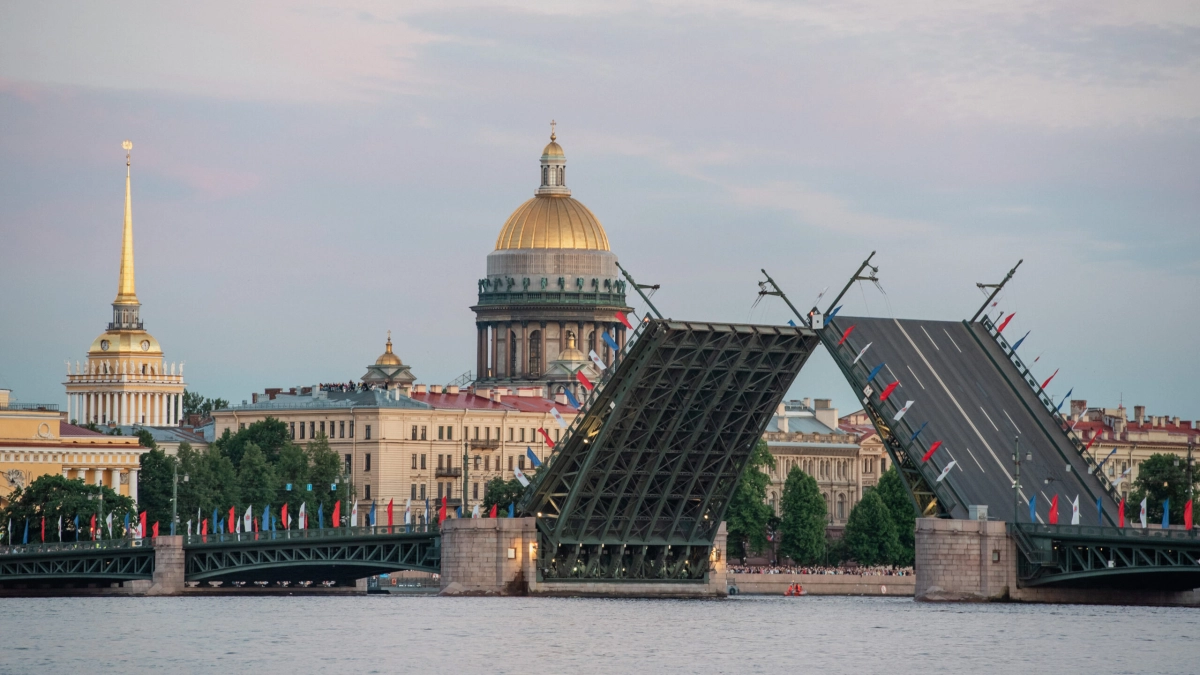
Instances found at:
x=480 y=444
x=448 y=472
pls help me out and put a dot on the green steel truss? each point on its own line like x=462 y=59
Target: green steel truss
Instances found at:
x=1106 y=557
x=311 y=555
x=82 y=562
x=641 y=483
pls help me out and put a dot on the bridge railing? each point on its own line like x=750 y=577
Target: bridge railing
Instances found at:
x=1131 y=533
x=1048 y=403
x=86 y=545
x=307 y=534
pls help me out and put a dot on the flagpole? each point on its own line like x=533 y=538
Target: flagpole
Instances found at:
x=638 y=287
x=995 y=289
x=466 y=460
x=857 y=277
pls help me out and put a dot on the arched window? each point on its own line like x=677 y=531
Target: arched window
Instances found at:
x=545 y=175
x=535 y=352
x=477 y=460
x=841 y=507
x=512 y=354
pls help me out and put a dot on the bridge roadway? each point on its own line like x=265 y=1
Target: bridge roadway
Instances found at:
x=977 y=402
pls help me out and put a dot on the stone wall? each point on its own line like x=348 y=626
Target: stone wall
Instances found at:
x=824 y=584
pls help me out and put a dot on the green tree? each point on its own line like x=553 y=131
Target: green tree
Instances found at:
x=500 y=493
x=803 y=523
x=1159 y=479
x=748 y=512
x=270 y=435
x=870 y=535
x=196 y=404
x=292 y=469
x=52 y=496
x=256 y=478
x=155 y=479
x=904 y=517
x=325 y=469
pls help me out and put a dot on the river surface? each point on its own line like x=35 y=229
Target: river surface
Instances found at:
x=389 y=634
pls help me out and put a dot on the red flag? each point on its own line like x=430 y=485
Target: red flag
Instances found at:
x=492 y=513
x=43 y=529
x=547 y=437
x=584 y=381
x=442 y=513
x=93 y=527
x=389 y=513
x=232 y=520
x=1047 y=382
x=204 y=527
x=888 y=391
x=1004 y=323
x=255 y=524
x=622 y=319
x=1121 y=514
x=283 y=516
x=846 y=335
x=155 y=529
x=1089 y=445
x=337 y=514
x=1187 y=516
x=932 y=449
x=1054 y=510
x=142 y=528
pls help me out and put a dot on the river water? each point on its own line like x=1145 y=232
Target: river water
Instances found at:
x=747 y=634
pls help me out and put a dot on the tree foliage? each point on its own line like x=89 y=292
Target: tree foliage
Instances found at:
x=1159 y=479
x=803 y=522
x=52 y=496
x=196 y=404
x=746 y=518
x=904 y=517
x=870 y=536
x=500 y=493
x=155 y=484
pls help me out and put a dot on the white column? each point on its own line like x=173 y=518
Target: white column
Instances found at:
x=133 y=478
x=162 y=407
x=66 y=472
x=178 y=408
x=114 y=481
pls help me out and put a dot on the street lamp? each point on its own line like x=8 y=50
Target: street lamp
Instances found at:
x=1016 y=457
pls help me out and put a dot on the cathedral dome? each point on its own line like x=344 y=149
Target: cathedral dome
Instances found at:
x=553 y=149
x=387 y=358
x=552 y=221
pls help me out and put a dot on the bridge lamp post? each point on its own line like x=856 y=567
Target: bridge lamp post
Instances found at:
x=175 y=495
x=1016 y=457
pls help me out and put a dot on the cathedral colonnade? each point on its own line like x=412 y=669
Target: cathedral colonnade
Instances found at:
x=522 y=349
x=126 y=407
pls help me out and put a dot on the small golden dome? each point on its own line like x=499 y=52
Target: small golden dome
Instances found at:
x=552 y=221
x=571 y=353
x=552 y=149
x=387 y=358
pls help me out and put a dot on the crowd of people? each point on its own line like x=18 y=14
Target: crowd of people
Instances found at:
x=878 y=571
x=346 y=386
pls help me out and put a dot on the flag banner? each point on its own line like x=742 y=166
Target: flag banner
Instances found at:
x=546 y=437
x=860 y=354
x=1187 y=516
x=283 y=516
x=1120 y=479
x=521 y=476
x=108 y=523
x=832 y=314
x=371 y=514
x=336 y=521
x=558 y=417
x=154 y=530
x=248 y=520
x=320 y=516
x=1099 y=512
x=791 y=323
x=874 y=372
x=354 y=514
x=600 y=364
x=266 y=517
x=389 y=511
x=216 y=521
x=887 y=391
x=1004 y=324
x=1047 y=382
x=587 y=384
x=846 y=334
x=1143 y=517
x=458 y=512
x=612 y=344
x=932 y=449
x=60 y=526
x=903 y=411
x=492 y=513
x=1121 y=514
x=43 y=529
x=232 y=520
x=1054 y=510
x=1033 y=509
x=571 y=399
x=533 y=458
x=237 y=529
x=510 y=510
x=946 y=471
x=1166 y=513
x=142 y=525
x=408 y=512
x=1064 y=399
x=442 y=512
x=475 y=511
x=1101 y=464
x=1018 y=342
x=918 y=432
x=1075 y=511
x=625 y=320
x=1089 y=443
x=204 y=528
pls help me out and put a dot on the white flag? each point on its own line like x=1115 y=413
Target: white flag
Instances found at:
x=288 y=525
x=597 y=360
x=108 y=522
x=902 y=411
x=946 y=471
x=521 y=476
x=407 y=511
x=1144 y=512
x=558 y=417
x=60 y=528
x=860 y=354
x=1120 y=479
x=475 y=511
x=237 y=525
x=354 y=514
x=248 y=520
x=303 y=522
x=1075 y=511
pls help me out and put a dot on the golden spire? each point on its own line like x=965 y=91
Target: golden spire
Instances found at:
x=126 y=294
x=552 y=123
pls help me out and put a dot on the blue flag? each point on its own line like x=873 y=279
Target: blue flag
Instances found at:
x=1099 y=512
x=126 y=523
x=918 y=431
x=1059 y=408
x=510 y=510
x=272 y=523
x=832 y=314
x=791 y=323
x=76 y=530
x=26 y=539
x=266 y=516
x=458 y=511
x=532 y=457
x=320 y=516
x=874 y=372
x=571 y=398
x=372 y=516
x=608 y=340
x=1166 y=515
x=1018 y=342
x=1033 y=509
x=216 y=521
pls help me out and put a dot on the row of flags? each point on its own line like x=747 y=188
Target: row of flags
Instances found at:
x=138 y=530
x=1166 y=519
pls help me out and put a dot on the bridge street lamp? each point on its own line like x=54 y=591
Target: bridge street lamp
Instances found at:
x=1016 y=457
x=175 y=494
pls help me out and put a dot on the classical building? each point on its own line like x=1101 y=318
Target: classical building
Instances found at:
x=552 y=289
x=807 y=434
x=389 y=372
x=1134 y=440
x=125 y=379
x=35 y=441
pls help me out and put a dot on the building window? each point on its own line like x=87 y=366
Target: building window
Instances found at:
x=341 y=429
x=487 y=463
x=449 y=433
x=292 y=430
x=312 y=429
x=242 y=426
x=322 y=428
x=535 y=353
x=366 y=432
x=475 y=491
x=351 y=428
x=439 y=461
x=422 y=461
x=349 y=463
x=510 y=462
x=477 y=460
x=302 y=431
x=441 y=433
x=497 y=433
x=521 y=462
x=367 y=490
x=423 y=433
x=487 y=434
x=476 y=433
x=414 y=432
x=449 y=490
x=367 y=464
x=414 y=491
x=422 y=491
x=510 y=434
x=439 y=490
x=522 y=434
x=414 y=460
x=556 y=435
x=841 y=507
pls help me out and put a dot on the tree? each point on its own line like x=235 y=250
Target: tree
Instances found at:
x=803 y=523
x=196 y=404
x=270 y=435
x=904 y=517
x=325 y=469
x=292 y=469
x=1159 y=479
x=146 y=439
x=52 y=496
x=500 y=493
x=870 y=535
x=155 y=480
x=746 y=517
x=256 y=478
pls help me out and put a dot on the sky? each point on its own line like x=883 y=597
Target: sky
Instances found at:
x=308 y=176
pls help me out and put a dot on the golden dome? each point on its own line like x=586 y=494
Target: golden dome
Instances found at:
x=552 y=221
x=387 y=358
x=571 y=353
x=125 y=343
x=553 y=150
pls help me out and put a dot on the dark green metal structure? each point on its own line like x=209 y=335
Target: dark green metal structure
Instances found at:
x=640 y=484
x=1106 y=557
x=77 y=562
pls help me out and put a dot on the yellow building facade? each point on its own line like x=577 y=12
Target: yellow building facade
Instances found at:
x=125 y=379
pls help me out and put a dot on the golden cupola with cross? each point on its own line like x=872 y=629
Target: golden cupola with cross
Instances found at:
x=125 y=380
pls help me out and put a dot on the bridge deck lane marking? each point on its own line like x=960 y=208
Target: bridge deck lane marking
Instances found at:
x=930 y=339
x=952 y=340
x=915 y=376
x=981 y=469
x=1010 y=419
x=894 y=378
x=989 y=418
